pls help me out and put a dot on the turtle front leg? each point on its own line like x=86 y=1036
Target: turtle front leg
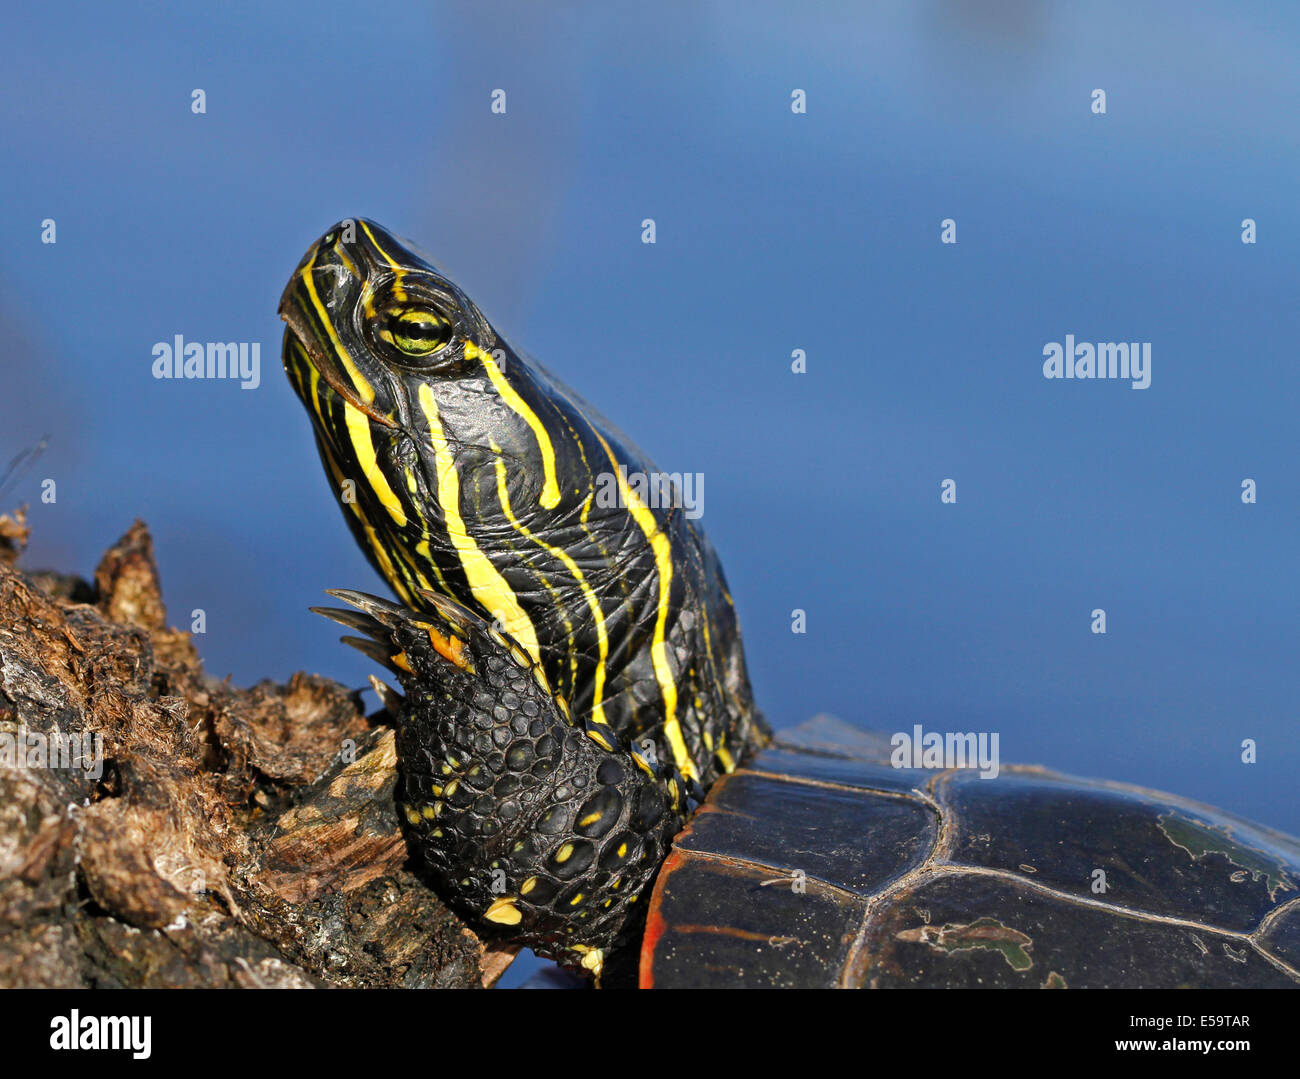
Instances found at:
x=534 y=826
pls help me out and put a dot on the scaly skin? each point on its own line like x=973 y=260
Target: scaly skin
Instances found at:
x=523 y=820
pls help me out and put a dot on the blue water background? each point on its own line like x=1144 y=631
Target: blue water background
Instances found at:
x=775 y=232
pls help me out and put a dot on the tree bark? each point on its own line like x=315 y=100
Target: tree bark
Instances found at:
x=160 y=828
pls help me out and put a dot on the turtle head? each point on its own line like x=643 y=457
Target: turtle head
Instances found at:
x=368 y=315
x=404 y=382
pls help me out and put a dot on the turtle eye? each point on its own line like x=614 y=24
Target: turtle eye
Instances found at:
x=415 y=331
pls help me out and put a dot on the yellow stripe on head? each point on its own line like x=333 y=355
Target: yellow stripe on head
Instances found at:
x=398 y=291
x=364 y=390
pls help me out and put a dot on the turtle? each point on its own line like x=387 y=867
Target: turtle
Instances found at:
x=821 y=863
x=583 y=767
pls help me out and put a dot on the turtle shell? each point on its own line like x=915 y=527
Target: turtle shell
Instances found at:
x=826 y=866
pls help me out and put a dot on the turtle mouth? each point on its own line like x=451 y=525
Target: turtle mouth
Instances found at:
x=326 y=363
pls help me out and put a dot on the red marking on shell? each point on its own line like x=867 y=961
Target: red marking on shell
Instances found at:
x=655 y=926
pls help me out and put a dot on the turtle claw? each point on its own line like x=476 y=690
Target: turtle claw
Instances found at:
x=350 y=619
x=379 y=617
x=381 y=610
x=388 y=696
x=455 y=613
x=472 y=625
x=376 y=650
x=391 y=629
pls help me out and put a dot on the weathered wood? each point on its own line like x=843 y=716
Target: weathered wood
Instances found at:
x=209 y=836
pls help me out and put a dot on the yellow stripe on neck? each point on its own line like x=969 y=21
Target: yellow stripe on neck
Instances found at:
x=490 y=589
x=364 y=390
x=659 y=646
x=364 y=447
x=588 y=594
x=550 y=489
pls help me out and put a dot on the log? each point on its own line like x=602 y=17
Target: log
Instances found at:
x=161 y=828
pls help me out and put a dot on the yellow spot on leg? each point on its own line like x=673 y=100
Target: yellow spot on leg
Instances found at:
x=504 y=912
x=593 y=959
